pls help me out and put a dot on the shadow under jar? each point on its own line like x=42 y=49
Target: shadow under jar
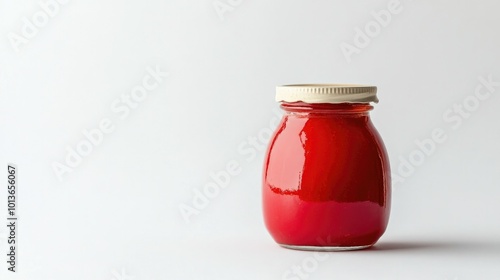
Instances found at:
x=326 y=179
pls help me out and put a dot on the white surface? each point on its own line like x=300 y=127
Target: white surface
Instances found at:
x=117 y=214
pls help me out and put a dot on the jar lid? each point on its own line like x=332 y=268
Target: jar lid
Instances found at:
x=327 y=93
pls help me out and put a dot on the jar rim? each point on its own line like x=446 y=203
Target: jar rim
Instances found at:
x=327 y=93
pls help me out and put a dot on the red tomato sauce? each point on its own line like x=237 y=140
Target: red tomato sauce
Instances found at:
x=326 y=179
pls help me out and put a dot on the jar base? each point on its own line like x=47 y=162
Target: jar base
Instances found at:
x=325 y=248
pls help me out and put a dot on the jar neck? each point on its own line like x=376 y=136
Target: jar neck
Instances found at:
x=348 y=109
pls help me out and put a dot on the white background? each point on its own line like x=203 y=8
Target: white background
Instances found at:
x=116 y=215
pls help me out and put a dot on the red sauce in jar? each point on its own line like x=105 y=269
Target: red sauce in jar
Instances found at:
x=326 y=180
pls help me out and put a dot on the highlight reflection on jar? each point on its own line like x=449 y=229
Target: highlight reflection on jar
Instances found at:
x=326 y=179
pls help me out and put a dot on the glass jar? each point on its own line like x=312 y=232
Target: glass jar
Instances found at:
x=326 y=179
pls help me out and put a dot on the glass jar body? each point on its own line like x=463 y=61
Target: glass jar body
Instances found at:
x=326 y=179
